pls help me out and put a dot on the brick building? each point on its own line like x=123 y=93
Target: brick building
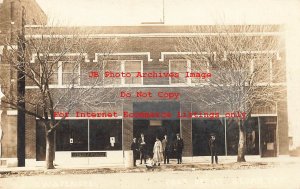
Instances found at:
x=144 y=49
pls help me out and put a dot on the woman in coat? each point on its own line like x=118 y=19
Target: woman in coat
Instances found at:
x=157 y=152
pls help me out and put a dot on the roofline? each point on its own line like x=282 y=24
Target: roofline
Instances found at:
x=150 y=35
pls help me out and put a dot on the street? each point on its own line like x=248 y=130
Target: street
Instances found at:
x=282 y=176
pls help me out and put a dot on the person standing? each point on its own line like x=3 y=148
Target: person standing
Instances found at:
x=157 y=152
x=142 y=148
x=135 y=150
x=166 y=146
x=178 y=147
x=213 y=148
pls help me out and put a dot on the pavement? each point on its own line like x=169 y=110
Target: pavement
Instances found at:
x=201 y=161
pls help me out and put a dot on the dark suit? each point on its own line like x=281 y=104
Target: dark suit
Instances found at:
x=142 y=149
x=213 y=150
x=135 y=149
x=178 y=147
x=167 y=148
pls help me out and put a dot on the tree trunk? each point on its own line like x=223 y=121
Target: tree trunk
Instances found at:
x=242 y=142
x=50 y=150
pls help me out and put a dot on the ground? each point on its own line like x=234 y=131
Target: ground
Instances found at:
x=250 y=175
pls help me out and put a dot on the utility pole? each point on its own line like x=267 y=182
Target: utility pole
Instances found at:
x=163 y=11
x=21 y=93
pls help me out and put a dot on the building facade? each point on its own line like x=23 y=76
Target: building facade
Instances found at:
x=153 y=104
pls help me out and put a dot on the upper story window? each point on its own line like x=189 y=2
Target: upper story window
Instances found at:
x=199 y=70
x=262 y=68
x=53 y=79
x=122 y=72
x=180 y=67
x=70 y=73
x=111 y=68
x=133 y=67
x=63 y=73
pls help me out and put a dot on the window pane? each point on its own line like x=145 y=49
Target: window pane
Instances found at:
x=262 y=67
x=100 y=133
x=53 y=74
x=70 y=73
x=53 y=80
x=70 y=67
x=133 y=67
x=115 y=67
x=199 y=66
x=72 y=135
x=70 y=78
x=179 y=66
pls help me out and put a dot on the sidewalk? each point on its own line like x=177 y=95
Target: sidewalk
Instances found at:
x=189 y=163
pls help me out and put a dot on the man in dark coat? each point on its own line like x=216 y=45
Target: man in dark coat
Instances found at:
x=213 y=148
x=178 y=147
x=142 y=148
x=166 y=146
x=135 y=149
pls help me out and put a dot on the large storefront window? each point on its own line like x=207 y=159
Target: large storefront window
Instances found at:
x=72 y=135
x=103 y=132
x=89 y=135
x=202 y=129
x=232 y=136
x=252 y=136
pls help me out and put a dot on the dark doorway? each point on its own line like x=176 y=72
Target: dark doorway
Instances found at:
x=268 y=137
x=202 y=128
x=152 y=129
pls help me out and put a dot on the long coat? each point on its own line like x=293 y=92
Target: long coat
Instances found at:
x=178 y=145
x=157 y=151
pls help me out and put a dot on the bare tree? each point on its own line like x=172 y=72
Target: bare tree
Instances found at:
x=245 y=70
x=54 y=61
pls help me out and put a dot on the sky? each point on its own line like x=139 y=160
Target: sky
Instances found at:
x=182 y=12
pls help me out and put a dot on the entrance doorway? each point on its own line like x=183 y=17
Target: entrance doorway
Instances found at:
x=268 y=137
x=155 y=128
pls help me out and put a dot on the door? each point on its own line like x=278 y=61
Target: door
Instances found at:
x=268 y=140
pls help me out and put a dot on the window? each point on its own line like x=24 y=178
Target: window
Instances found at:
x=133 y=67
x=72 y=135
x=63 y=73
x=111 y=70
x=178 y=66
x=88 y=135
x=70 y=73
x=262 y=69
x=200 y=66
x=202 y=129
x=102 y=132
x=117 y=72
x=53 y=79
